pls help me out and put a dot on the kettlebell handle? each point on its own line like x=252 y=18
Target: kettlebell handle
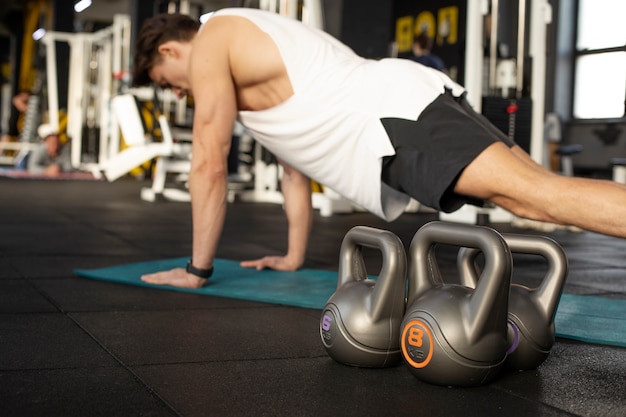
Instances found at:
x=424 y=273
x=393 y=271
x=548 y=293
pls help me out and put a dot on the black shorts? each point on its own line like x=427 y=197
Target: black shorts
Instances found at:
x=433 y=151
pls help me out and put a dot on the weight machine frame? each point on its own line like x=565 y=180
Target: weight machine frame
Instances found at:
x=113 y=63
x=540 y=17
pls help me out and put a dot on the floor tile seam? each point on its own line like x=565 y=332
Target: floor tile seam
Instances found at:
x=15 y=270
x=72 y=255
x=61 y=311
x=117 y=359
x=126 y=367
x=14 y=279
x=60 y=368
x=45 y=296
x=224 y=361
x=30 y=313
x=22 y=256
x=530 y=401
x=178 y=309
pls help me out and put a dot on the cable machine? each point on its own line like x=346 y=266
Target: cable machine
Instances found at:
x=505 y=82
x=99 y=65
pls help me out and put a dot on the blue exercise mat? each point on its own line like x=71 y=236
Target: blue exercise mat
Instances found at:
x=304 y=288
x=584 y=318
x=591 y=319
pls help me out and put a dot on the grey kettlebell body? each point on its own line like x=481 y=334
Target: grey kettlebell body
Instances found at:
x=451 y=334
x=531 y=310
x=360 y=323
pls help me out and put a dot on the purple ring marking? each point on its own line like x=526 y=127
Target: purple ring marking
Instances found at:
x=515 y=337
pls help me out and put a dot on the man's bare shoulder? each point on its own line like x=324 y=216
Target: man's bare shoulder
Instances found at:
x=240 y=33
x=215 y=33
x=239 y=40
x=251 y=55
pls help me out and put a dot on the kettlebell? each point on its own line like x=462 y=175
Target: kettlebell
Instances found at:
x=531 y=310
x=454 y=335
x=360 y=324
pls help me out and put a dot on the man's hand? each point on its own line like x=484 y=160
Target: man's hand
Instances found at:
x=176 y=277
x=277 y=263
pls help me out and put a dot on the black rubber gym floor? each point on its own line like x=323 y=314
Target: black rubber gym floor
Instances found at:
x=76 y=347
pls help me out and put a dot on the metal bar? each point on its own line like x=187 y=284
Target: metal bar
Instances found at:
x=52 y=80
x=540 y=16
x=521 y=31
x=474 y=53
x=493 y=46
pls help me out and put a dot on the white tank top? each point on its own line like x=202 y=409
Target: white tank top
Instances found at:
x=330 y=128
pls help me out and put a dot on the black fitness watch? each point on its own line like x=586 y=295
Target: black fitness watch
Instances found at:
x=202 y=273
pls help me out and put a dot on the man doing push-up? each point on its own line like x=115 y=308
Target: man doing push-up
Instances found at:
x=377 y=132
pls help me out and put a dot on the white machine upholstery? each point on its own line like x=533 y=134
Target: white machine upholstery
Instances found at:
x=172 y=157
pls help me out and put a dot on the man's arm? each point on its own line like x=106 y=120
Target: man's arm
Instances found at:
x=296 y=189
x=214 y=116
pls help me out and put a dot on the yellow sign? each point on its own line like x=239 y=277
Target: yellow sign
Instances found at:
x=444 y=28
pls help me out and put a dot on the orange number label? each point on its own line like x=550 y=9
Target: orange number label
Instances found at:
x=417 y=344
x=415 y=337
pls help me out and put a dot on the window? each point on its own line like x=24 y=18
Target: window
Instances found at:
x=600 y=77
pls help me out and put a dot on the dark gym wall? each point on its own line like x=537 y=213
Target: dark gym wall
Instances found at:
x=13 y=22
x=138 y=12
x=63 y=21
x=332 y=17
x=366 y=27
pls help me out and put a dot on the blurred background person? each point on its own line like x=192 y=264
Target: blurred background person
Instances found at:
x=51 y=157
x=422 y=45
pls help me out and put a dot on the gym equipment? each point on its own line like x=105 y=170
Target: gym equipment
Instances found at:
x=173 y=157
x=619 y=170
x=360 y=324
x=94 y=60
x=531 y=310
x=453 y=335
x=310 y=12
x=553 y=134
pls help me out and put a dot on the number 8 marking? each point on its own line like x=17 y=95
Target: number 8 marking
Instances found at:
x=413 y=335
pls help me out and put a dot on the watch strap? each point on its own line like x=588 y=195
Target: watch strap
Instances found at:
x=199 y=272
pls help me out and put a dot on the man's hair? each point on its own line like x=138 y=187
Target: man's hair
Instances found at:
x=424 y=41
x=154 y=32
